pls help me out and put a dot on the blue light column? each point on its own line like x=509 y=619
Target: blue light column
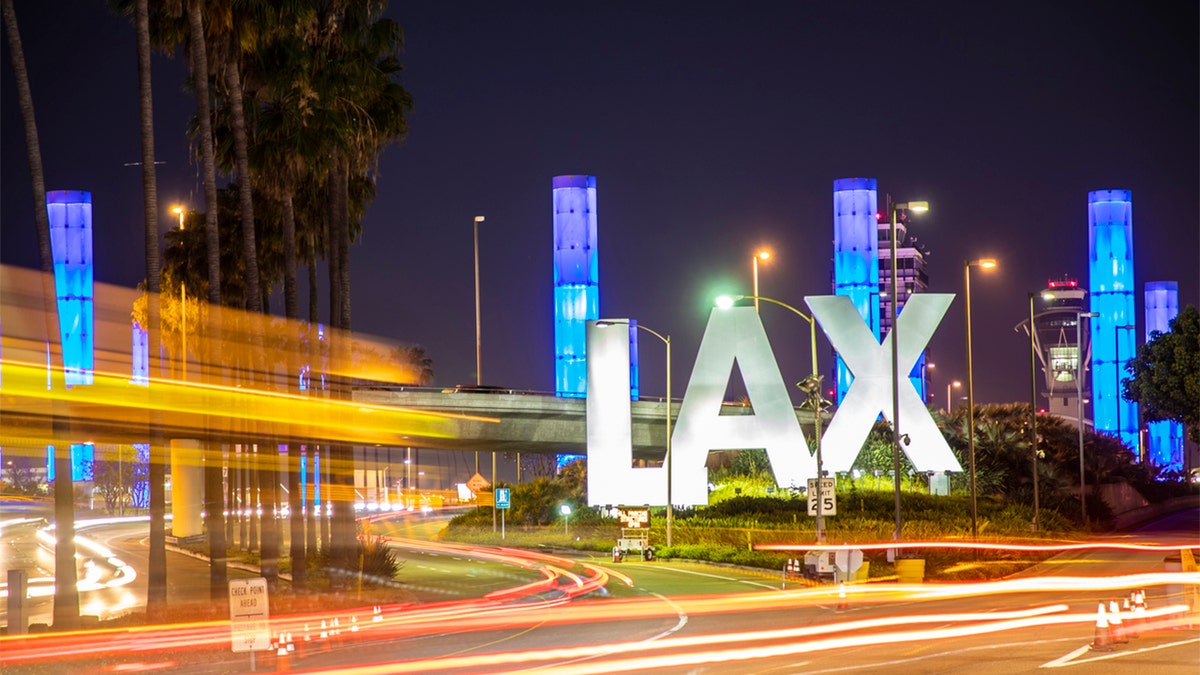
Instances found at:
x=855 y=256
x=70 y=213
x=576 y=280
x=1110 y=239
x=1165 y=437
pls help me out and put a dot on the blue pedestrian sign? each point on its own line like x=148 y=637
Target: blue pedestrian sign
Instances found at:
x=503 y=498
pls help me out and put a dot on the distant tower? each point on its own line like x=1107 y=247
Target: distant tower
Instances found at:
x=1165 y=447
x=70 y=215
x=1057 y=350
x=855 y=257
x=1114 y=337
x=576 y=280
x=912 y=277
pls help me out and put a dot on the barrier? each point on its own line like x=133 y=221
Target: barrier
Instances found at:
x=910 y=570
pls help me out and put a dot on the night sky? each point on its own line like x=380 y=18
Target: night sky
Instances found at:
x=712 y=129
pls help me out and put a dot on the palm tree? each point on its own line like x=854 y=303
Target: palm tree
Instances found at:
x=66 y=592
x=156 y=594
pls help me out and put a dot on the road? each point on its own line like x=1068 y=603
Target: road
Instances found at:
x=671 y=617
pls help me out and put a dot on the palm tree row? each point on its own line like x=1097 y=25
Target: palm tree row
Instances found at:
x=296 y=98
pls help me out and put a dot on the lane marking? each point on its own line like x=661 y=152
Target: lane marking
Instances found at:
x=1067 y=659
x=926 y=657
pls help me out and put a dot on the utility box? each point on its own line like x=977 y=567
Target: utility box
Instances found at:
x=820 y=566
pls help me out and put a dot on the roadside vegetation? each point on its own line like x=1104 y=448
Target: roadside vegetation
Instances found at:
x=746 y=509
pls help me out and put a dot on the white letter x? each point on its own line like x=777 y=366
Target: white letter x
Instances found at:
x=871 y=391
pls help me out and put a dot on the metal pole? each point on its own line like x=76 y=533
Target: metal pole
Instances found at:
x=1079 y=401
x=812 y=335
x=1033 y=412
x=670 y=505
x=754 y=262
x=494 y=492
x=970 y=403
x=478 y=332
x=1117 y=380
x=895 y=374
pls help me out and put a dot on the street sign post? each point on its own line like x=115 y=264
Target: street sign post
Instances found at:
x=249 y=615
x=503 y=502
x=827 y=495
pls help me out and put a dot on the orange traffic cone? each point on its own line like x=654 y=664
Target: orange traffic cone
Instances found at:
x=281 y=659
x=842 y=603
x=377 y=614
x=1131 y=627
x=1103 y=640
x=1139 y=609
x=1118 y=627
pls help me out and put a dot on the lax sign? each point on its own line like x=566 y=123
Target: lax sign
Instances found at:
x=737 y=335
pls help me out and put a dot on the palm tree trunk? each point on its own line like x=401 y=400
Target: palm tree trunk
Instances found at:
x=249 y=247
x=291 y=304
x=214 y=521
x=156 y=593
x=66 y=593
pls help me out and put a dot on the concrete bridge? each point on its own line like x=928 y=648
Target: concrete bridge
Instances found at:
x=530 y=422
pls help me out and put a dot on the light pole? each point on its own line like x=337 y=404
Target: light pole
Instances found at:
x=565 y=510
x=725 y=302
x=666 y=339
x=1117 y=375
x=1079 y=399
x=950 y=401
x=1033 y=435
x=763 y=255
x=893 y=211
x=478 y=332
x=182 y=303
x=986 y=264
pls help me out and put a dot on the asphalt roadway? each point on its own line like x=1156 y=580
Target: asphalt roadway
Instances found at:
x=678 y=617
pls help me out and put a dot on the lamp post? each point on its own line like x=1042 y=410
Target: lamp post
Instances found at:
x=725 y=302
x=182 y=303
x=985 y=263
x=1079 y=399
x=763 y=255
x=1033 y=435
x=950 y=401
x=666 y=339
x=478 y=332
x=1117 y=375
x=565 y=510
x=893 y=210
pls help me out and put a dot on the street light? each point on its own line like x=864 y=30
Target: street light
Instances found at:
x=1033 y=412
x=182 y=302
x=725 y=302
x=1117 y=376
x=893 y=210
x=478 y=333
x=565 y=510
x=763 y=255
x=987 y=264
x=666 y=339
x=950 y=401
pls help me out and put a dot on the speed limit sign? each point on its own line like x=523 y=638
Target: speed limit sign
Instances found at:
x=826 y=494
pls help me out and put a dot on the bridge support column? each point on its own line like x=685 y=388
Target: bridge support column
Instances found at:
x=187 y=487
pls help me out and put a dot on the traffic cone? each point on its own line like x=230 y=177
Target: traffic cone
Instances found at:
x=1131 y=627
x=842 y=603
x=291 y=646
x=324 y=636
x=354 y=624
x=1103 y=640
x=281 y=659
x=1118 y=627
x=377 y=614
x=1139 y=610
